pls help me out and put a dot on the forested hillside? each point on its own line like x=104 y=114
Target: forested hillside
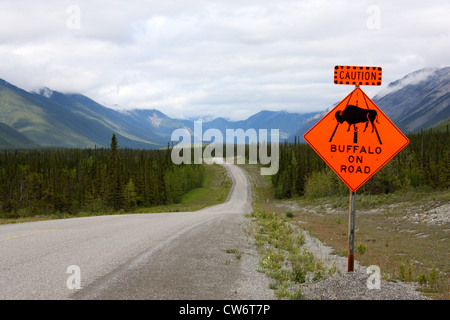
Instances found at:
x=110 y=179
x=95 y=180
x=424 y=162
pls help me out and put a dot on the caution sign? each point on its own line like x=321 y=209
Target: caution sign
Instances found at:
x=368 y=76
x=356 y=139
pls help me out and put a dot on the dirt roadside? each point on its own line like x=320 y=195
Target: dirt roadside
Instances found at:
x=406 y=234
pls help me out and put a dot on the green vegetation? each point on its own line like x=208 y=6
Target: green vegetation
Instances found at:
x=70 y=182
x=400 y=213
x=214 y=190
x=279 y=242
x=424 y=162
x=236 y=252
x=283 y=257
x=395 y=231
x=442 y=127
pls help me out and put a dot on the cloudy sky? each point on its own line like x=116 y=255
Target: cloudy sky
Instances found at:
x=207 y=58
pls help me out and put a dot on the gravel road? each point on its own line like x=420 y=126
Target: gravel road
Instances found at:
x=205 y=254
x=182 y=255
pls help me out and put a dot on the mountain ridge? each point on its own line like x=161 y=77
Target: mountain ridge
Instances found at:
x=50 y=118
x=53 y=119
x=405 y=103
x=419 y=100
x=10 y=137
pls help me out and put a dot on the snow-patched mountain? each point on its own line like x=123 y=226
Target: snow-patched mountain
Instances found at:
x=48 y=118
x=419 y=100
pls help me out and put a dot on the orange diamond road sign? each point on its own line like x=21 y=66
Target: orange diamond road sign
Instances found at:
x=356 y=139
x=368 y=76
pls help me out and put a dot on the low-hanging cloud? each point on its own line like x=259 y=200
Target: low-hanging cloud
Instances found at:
x=195 y=58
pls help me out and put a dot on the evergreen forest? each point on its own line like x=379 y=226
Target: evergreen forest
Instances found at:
x=97 y=180
x=34 y=182
x=423 y=163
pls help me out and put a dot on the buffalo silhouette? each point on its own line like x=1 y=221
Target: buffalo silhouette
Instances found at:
x=353 y=115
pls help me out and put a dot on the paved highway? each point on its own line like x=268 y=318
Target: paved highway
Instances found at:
x=179 y=255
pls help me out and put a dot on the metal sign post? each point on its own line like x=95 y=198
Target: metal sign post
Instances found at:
x=351 y=232
x=351 y=218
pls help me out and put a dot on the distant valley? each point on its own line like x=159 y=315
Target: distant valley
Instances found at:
x=48 y=118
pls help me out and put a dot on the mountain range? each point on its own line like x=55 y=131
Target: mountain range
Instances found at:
x=48 y=118
x=419 y=100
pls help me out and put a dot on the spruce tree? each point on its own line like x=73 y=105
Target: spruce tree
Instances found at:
x=115 y=197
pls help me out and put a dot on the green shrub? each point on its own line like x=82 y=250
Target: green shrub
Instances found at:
x=324 y=183
x=288 y=214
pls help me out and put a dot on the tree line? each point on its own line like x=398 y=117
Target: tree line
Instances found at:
x=96 y=179
x=111 y=179
x=424 y=162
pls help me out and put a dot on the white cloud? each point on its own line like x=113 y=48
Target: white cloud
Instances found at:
x=410 y=79
x=195 y=58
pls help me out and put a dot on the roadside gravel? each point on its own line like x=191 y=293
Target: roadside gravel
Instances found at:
x=338 y=284
x=343 y=285
x=353 y=286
